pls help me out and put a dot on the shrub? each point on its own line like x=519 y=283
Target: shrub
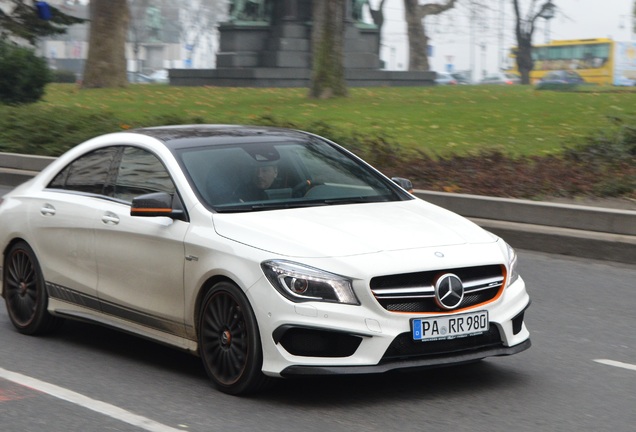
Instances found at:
x=50 y=131
x=615 y=143
x=23 y=75
x=64 y=76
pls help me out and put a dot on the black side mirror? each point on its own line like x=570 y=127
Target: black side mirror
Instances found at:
x=405 y=184
x=157 y=204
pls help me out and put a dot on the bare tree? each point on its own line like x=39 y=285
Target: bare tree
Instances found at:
x=199 y=28
x=106 y=62
x=327 y=77
x=378 y=19
x=524 y=29
x=414 y=14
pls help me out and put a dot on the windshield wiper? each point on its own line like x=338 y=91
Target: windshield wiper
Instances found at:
x=355 y=200
x=262 y=206
x=268 y=206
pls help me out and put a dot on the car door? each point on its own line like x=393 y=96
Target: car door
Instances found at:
x=62 y=222
x=140 y=260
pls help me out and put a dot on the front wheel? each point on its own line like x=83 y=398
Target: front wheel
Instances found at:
x=25 y=292
x=229 y=341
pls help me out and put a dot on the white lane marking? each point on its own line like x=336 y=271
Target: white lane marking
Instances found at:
x=86 y=402
x=616 y=364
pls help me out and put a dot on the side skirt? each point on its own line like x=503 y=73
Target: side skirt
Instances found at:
x=72 y=305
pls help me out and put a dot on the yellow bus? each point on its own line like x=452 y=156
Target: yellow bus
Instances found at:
x=599 y=61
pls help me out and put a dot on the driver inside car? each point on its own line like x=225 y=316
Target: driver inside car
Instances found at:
x=261 y=178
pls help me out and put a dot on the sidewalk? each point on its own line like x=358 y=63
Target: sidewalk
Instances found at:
x=602 y=229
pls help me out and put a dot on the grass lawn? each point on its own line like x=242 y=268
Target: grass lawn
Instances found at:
x=485 y=140
x=516 y=120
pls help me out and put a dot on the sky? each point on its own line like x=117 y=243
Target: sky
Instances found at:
x=484 y=44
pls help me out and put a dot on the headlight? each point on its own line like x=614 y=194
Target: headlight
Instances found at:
x=300 y=283
x=513 y=273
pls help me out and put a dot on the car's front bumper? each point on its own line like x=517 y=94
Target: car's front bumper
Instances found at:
x=367 y=339
x=440 y=360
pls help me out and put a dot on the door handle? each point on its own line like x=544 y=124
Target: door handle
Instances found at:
x=110 y=219
x=47 y=210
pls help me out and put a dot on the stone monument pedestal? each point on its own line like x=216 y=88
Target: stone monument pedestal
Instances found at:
x=277 y=53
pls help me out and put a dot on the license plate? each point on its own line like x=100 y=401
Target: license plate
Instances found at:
x=450 y=326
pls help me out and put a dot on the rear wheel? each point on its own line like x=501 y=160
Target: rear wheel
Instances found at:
x=229 y=341
x=25 y=292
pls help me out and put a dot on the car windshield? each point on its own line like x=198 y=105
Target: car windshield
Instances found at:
x=273 y=175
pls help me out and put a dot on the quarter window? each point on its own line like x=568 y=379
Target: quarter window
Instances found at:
x=88 y=173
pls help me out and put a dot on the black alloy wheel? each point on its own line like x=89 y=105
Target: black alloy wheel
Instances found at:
x=229 y=341
x=25 y=292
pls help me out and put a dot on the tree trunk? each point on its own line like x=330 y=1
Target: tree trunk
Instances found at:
x=418 y=41
x=525 y=64
x=327 y=77
x=414 y=14
x=523 y=31
x=378 y=19
x=106 y=62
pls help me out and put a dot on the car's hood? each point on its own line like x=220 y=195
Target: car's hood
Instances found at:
x=353 y=229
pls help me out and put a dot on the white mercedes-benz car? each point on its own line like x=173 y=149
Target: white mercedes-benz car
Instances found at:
x=267 y=252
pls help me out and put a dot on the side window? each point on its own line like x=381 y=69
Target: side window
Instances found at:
x=141 y=172
x=88 y=173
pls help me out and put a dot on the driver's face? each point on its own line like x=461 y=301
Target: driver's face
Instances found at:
x=265 y=176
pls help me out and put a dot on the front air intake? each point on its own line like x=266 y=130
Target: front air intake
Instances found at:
x=316 y=343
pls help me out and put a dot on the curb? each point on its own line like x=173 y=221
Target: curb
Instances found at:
x=17 y=168
x=566 y=229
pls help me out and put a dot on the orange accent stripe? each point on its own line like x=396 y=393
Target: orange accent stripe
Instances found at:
x=151 y=210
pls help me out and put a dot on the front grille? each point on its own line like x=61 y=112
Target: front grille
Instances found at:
x=404 y=347
x=415 y=292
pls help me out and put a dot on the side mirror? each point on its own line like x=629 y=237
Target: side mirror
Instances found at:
x=157 y=204
x=404 y=183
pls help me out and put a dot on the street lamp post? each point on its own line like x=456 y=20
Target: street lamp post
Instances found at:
x=547 y=13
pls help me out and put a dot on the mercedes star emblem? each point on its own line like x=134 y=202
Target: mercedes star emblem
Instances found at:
x=449 y=291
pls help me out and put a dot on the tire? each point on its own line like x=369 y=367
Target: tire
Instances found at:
x=25 y=293
x=229 y=341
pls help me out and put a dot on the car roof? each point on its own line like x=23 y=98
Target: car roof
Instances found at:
x=187 y=136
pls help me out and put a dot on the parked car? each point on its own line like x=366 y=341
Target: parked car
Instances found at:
x=160 y=76
x=444 y=78
x=462 y=78
x=268 y=252
x=560 y=79
x=138 y=78
x=624 y=81
x=501 y=78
